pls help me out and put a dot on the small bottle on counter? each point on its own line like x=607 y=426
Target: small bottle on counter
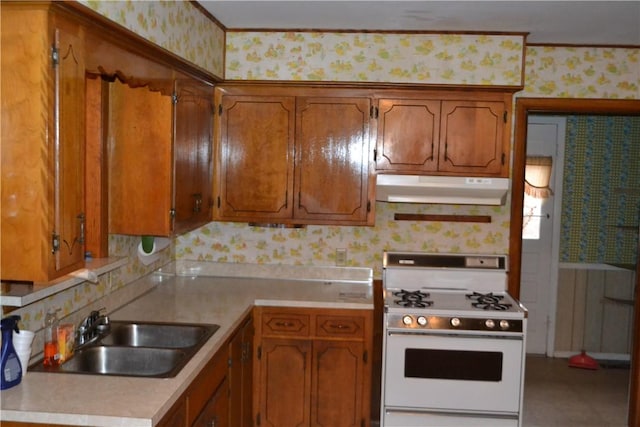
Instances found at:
x=10 y=368
x=51 y=351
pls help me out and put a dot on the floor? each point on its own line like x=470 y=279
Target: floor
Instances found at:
x=557 y=395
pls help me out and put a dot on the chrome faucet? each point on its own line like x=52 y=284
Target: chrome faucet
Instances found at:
x=92 y=327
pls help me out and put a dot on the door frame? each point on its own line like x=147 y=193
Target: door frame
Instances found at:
x=556 y=213
x=524 y=107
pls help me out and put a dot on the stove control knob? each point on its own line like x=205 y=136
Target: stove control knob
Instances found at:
x=490 y=324
x=422 y=321
x=504 y=324
x=407 y=320
x=455 y=322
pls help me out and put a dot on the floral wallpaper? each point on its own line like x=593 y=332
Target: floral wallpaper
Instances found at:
x=582 y=72
x=464 y=59
x=316 y=245
x=175 y=25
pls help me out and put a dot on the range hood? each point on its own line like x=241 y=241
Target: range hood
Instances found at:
x=441 y=189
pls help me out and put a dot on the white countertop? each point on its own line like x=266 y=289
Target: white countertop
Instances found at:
x=94 y=400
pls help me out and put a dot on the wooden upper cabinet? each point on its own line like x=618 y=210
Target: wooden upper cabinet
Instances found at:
x=43 y=133
x=408 y=135
x=293 y=157
x=140 y=161
x=472 y=136
x=160 y=164
x=193 y=148
x=255 y=152
x=332 y=160
x=448 y=133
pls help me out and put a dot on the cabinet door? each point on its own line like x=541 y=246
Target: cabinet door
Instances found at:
x=216 y=411
x=408 y=135
x=177 y=415
x=473 y=137
x=193 y=168
x=241 y=377
x=332 y=160
x=285 y=382
x=43 y=95
x=256 y=157
x=337 y=386
x=69 y=93
x=140 y=161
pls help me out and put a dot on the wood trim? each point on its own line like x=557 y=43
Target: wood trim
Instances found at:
x=446 y=218
x=524 y=107
x=603 y=46
x=373 y=31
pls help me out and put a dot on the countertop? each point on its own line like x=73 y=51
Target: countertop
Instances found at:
x=93 y=400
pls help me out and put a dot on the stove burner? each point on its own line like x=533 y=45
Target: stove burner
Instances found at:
x=488 y=301
x=413 y=299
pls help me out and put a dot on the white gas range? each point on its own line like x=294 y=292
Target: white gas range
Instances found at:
x=454 y=342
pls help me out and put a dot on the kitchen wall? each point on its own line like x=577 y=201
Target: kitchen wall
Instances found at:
x=549 y=72
x=180 y=28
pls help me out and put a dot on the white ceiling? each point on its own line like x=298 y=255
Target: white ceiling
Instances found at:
x=547 y=22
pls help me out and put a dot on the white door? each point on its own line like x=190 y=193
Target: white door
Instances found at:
x=538 y=281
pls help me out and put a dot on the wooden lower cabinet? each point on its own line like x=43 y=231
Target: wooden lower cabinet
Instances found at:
x=338 y=371
x=216 y=410
x=285 y=382
x=241 y=376
x=313 y=367
x=221 y=396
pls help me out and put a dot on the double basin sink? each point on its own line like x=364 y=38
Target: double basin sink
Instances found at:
x=138 y=349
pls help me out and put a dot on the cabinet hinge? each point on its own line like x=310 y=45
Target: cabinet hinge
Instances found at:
x=55 y=56
x=365 y=356
x=373 y=112
x=219 y=109
x=218 y=202
x=368 y=205
x=82 y=220
x=229 y=362
x=174 y=98
x=375 y=154
x=505 y=117
x=504 y=157
x=172 y=213
x=55 y=243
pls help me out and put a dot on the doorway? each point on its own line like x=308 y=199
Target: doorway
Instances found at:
x=525 y=107
x=541 y=216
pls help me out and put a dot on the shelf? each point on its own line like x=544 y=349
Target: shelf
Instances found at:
x=21 y=294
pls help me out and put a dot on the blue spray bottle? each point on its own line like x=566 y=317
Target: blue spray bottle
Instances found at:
x=10 y=368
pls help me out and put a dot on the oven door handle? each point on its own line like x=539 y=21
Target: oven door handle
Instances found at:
x=450 y=334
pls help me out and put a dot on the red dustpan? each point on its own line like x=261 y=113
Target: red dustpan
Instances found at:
x=583 y=361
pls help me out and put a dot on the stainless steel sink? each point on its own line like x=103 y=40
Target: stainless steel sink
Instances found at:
x=126 y=361
x=138 y=349
x=164 y=335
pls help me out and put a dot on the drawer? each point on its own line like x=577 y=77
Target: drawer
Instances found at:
x=340 y=326
x=286 y=324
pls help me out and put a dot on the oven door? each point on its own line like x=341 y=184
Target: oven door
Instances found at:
x=453 y=373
